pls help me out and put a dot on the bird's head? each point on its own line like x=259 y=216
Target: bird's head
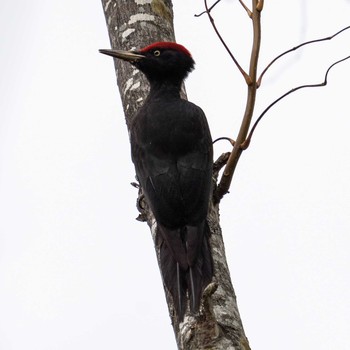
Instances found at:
x=161 y=61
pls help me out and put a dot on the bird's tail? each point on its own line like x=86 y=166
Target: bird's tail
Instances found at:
x=186 y=264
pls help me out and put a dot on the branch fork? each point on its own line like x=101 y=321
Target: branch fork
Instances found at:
x=253 y=83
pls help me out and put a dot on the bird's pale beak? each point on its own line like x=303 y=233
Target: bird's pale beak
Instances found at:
x=129 y=56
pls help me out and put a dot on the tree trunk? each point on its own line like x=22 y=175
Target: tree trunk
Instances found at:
x=135 y=24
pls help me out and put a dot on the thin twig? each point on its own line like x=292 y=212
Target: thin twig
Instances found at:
x=217 y=166
x=246 y=143
x=220 y=162
x=232 y=142
x=227 y=175
x=297 y=47
x=210 y=8
x=246 y=8
x=245 y=75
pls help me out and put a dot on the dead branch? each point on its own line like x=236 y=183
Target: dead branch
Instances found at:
x=232 y=142
x=211 y=19
x=227 y=175
x=250 y=14
x=210 y=8
x=296 y=48
x=246 y=143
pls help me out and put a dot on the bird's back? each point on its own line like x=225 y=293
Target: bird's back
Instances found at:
x=172 y=152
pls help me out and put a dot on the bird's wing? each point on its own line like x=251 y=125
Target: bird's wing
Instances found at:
x=176 y=184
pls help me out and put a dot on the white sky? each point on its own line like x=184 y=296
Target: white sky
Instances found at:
x=78 y=272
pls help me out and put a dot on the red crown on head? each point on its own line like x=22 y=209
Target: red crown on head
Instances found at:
x=166 y=45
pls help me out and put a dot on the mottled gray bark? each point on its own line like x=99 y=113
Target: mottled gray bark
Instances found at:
x=135 y=24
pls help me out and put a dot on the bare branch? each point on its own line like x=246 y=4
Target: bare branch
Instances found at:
x=220 y=163
x=232 y=142
x=246 y=143
x=297 y=47
x=227 y=175
x=210 y=8
x=217 y=166
x=250 y=14
x=245 y=75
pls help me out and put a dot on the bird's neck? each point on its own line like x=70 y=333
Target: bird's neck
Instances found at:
x=165 y=88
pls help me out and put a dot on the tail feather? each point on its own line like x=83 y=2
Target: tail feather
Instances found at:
x=174 y=279
x=192 y=278
x=200 y=272
x=180 y=301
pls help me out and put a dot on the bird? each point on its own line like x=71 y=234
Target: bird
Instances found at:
x=171 y=148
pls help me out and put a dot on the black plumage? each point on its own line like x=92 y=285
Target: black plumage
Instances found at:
x=171 y=149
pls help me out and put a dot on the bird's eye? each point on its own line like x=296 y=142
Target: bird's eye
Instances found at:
x=156 y=53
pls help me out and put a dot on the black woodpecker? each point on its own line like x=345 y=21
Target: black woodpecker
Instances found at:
x=171 y=148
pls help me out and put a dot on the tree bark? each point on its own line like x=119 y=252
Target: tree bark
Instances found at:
x=135 y=24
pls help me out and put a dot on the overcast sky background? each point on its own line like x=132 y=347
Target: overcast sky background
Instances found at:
x=78 y=272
